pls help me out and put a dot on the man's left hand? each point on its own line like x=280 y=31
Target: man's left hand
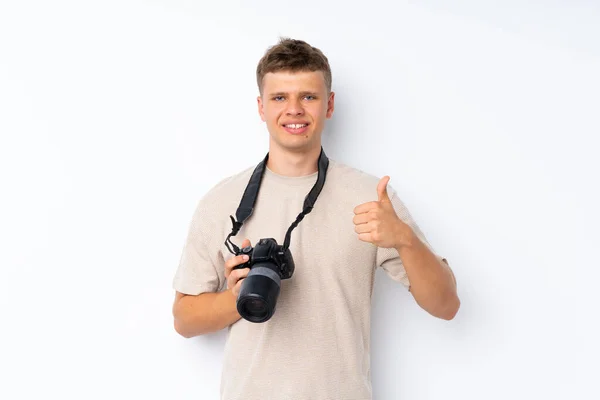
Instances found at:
x=377 y=222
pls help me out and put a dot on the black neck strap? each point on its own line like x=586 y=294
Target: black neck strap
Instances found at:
x=251 y=193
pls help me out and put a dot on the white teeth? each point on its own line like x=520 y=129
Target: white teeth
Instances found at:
x=296 y=126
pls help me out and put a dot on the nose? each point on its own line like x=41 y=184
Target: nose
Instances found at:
x=294 y=107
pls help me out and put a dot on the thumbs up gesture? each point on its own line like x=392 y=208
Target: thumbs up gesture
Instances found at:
x=377 y=222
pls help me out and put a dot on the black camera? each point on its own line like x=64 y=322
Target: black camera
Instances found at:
x=269 y=263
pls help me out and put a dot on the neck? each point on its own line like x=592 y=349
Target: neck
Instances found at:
x=294 y=164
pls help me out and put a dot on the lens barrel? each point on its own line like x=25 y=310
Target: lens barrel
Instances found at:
x=259 y=292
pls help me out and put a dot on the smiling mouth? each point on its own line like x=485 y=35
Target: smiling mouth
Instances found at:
x=296 y=129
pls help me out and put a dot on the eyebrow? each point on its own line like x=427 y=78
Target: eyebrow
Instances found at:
x=285 y=93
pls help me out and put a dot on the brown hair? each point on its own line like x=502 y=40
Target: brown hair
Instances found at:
x=293 y=55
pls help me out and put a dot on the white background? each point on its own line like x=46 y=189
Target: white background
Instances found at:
x=117 y=116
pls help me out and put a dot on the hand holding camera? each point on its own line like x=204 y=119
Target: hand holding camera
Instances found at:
x=236 y=271
x=267 y=264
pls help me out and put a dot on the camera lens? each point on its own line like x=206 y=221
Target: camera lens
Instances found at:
x=259 y=292
x=256 y=307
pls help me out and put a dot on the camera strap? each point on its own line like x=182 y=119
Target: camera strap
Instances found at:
x=248 y=201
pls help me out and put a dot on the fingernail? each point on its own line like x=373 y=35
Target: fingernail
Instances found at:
x=245 y=257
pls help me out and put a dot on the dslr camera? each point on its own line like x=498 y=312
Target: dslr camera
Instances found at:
x=269 y=263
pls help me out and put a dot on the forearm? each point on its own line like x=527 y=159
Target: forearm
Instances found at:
x=205 y=313
x=431 y=281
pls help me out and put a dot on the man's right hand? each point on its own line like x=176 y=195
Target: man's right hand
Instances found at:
x=235 y=277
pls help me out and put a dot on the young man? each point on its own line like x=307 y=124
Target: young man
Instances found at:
x=316 y=345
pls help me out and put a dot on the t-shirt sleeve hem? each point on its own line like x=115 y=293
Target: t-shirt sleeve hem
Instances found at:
x=191 y=289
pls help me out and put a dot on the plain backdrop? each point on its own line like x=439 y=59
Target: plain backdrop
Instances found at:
x=117 y=116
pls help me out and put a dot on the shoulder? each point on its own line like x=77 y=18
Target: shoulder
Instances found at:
x=347 y=172
x=353 y=181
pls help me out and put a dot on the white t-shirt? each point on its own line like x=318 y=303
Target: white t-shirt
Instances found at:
x=317 y=344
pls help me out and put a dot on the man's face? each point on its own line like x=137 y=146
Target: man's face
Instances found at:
x=295 y=106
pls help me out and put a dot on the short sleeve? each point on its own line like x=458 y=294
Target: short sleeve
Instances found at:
x=389 y=259
x=200 y=265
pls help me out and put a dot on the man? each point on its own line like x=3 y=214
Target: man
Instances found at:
x=317 y=343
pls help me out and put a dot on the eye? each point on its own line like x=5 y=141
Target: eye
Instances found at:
x=278 y=98
x=309 y=97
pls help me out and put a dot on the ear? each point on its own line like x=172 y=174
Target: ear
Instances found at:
x=261 y=112
x=330 y=104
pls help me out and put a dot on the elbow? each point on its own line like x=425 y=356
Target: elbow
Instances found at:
x=442 y=306
x=450 y=309
x=181 y=329
x=187 y=330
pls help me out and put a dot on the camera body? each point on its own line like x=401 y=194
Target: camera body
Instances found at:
x=268 y=251
x=269 y=263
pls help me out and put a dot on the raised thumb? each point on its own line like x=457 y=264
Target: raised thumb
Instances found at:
x=382 y=193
